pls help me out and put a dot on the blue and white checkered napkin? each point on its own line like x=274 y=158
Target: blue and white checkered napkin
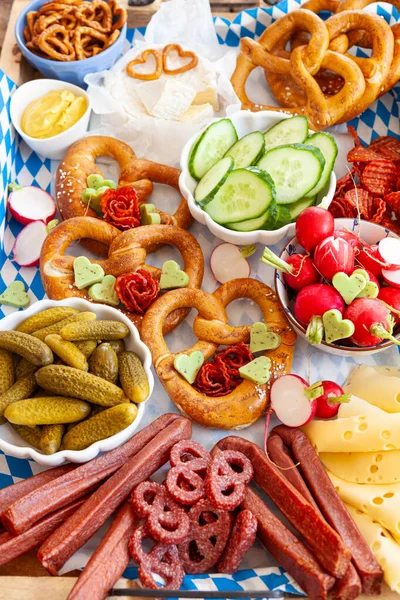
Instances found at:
x=19 y=163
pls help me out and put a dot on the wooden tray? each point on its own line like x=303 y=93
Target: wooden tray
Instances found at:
x=20 y=71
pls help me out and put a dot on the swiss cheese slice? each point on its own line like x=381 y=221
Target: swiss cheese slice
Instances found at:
x=356 y=406
x=362 y=433
x=364 y=467
x=385 y=549
x=376 y=387
x=380 y=502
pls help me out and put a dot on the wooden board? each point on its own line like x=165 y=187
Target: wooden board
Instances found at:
x=19 y=70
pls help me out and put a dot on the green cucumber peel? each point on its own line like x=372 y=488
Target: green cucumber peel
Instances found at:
x=271 y=259
x=315 y=330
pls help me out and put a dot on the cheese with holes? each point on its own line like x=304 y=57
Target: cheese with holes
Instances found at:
x=375 y=387
x=361 y=433
x=364 y=467
x=385 y=549
x=357 y=406
x=380 y=502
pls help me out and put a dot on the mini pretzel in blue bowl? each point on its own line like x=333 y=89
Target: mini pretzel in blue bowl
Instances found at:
x=71 y=38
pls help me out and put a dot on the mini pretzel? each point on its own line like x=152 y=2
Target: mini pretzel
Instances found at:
x=141 y=61
x=183 y=54
x=86 y=13
x=127 y=252
x=80 y=162
x=77 y=39
x=247 y=402
x=48 y=39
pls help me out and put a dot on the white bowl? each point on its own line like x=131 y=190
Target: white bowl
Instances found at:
x=12 y=444
x=245 y=122
x=371 y=233
x=56 y=146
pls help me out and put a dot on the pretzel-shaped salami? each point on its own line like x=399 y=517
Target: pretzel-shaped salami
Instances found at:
x=79 y=163
x=127 y=252
x=248 y=401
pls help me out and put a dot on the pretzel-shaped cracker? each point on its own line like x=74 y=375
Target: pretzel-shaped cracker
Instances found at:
x=141 y=61
x=48 y=42
x=127 y=252
x=248 y=401
x=183 y=54
x=79 y=163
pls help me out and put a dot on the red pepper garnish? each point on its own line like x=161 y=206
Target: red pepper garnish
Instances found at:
x=221 y=376
x=120 y=207
x=137 y=290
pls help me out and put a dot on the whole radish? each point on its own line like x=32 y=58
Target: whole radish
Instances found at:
x=391 y=296
x=313 y=225
x=293 y=400
x=314 y=300
x=370 y=259
x=334 y=255
x=328 y=404
x=350 y=238
x=372 y=320
x=304 y=273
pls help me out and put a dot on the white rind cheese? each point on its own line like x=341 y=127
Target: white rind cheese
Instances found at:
x=364 y=467
x=380 y=502
x=383 y=546
x=173 y=102
x=376 y=387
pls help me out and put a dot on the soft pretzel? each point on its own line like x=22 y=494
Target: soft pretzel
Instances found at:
x=79 y=163
x=127 y=252
x=247 y=402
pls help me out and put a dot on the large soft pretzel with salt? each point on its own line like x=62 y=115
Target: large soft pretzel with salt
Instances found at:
x=248 y=401
x=127 y=252
x=80 y=162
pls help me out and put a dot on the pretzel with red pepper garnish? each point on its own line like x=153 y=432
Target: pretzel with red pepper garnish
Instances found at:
x=127 y=254
x=80 y=162
x=245 y=404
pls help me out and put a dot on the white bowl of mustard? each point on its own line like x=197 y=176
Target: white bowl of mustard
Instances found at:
x=51 y=115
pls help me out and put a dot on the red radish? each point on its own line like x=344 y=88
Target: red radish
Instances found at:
x=372 y=320
x=391 y=277
x=313 y=225
x=391 y=297
x=28 y=244
x=349 y=237
x=328 y=404
x=389 y=251
x=315 y=300
x=229 y=262
x=333 y=256
x=293 y=400
x=369 y=258
x=304 y=273
x=30 y=203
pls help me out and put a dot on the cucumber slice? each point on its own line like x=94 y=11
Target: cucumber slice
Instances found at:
x=288 y=131
x=295 y=170
x=247 y=150
x=283 y=217
x=211 y=146
x=246 y=194
x=326 y=143
x=266 y=221
x=210 y=183
x=297 y=208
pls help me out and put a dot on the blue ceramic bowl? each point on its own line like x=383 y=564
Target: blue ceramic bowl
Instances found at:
x=74 y=71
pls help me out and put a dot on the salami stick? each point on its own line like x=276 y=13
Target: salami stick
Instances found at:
x=349 y=587
x=325 y=543
x=72 y=485
x=289 y=551
x=16 y=491
x=109 y=560
x=13 y=546
x=332 y=507
x=76 y=531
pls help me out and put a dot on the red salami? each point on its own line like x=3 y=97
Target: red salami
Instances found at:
x=120 y=207
x=379 y=177
x=227 y=477
x=167 y=522
x=135 y=545
x=137 y=291
x=185 y=480
x=143 y=497
x=163 y=561
x=242 y=538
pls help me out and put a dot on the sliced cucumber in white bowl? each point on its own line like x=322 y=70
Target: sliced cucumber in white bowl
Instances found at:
x=211 y=146
x=210 y=183
x=248 y=150
x=326 y=143
x=288 y=131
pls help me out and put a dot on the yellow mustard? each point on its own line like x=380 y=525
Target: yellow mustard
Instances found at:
x=52 y=114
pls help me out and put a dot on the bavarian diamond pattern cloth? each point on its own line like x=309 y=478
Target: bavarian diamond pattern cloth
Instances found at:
x=19 y=163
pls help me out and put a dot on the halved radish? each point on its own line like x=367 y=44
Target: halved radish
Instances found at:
x=293 y=401
x=28 y=244
x=229 y=262
x=389 y=251
x=30 y=203
x=392 y=277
